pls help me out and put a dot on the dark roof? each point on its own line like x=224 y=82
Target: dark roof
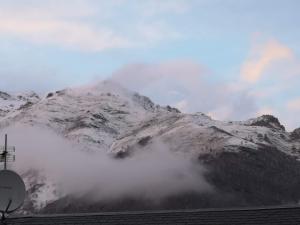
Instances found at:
x=257 y=216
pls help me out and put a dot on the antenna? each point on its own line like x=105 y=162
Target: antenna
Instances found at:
x=12 y=187
x=12 y=192
x=7 y=153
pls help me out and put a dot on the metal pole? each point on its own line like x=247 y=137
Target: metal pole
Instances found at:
x=5 y=151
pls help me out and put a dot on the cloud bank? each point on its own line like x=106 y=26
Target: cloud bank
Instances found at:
x=152 y=174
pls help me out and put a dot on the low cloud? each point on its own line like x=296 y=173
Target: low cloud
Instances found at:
x=151 y=174
x=188 y=86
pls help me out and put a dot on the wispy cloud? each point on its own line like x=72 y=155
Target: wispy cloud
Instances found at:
x=60 y=26
x=261 y=59
x=62 y=33
x=88 y=25
x=271 y=77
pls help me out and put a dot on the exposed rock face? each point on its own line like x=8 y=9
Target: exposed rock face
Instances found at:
x=249 y=163
x=247 y=177
x=295 y=135
x=4 y=95
x=15 y=103
x=267 y=121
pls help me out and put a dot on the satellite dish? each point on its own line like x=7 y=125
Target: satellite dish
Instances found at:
x=12 y=191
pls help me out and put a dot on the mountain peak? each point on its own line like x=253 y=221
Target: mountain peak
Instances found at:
x=269 y=121
x=296 y=134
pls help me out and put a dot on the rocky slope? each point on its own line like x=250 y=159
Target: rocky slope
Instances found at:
x=253 y=162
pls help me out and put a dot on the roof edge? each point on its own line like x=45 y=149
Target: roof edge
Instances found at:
x=159 y=211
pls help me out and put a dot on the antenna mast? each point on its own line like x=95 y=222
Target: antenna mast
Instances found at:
x=12 y=188
x=7 y=153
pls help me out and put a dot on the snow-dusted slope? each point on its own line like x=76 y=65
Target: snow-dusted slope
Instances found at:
x=94 y=116
x=108 y=118
x=199 y=134
x=12 y=103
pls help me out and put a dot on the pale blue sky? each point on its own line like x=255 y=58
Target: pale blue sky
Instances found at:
x=245 y=54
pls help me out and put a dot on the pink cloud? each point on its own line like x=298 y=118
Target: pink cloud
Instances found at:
x=262 y=58
x=294 y=105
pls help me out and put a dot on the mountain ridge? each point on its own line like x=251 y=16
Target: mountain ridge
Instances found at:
x=110 y=119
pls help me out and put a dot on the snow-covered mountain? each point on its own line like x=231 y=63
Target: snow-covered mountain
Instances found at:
x=11 y=103
x=253 y=162
x=94 y=116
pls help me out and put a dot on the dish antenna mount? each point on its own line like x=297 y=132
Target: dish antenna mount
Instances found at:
x=12 y=187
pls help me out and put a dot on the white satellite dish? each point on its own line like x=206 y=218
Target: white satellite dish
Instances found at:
x=12 y=191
